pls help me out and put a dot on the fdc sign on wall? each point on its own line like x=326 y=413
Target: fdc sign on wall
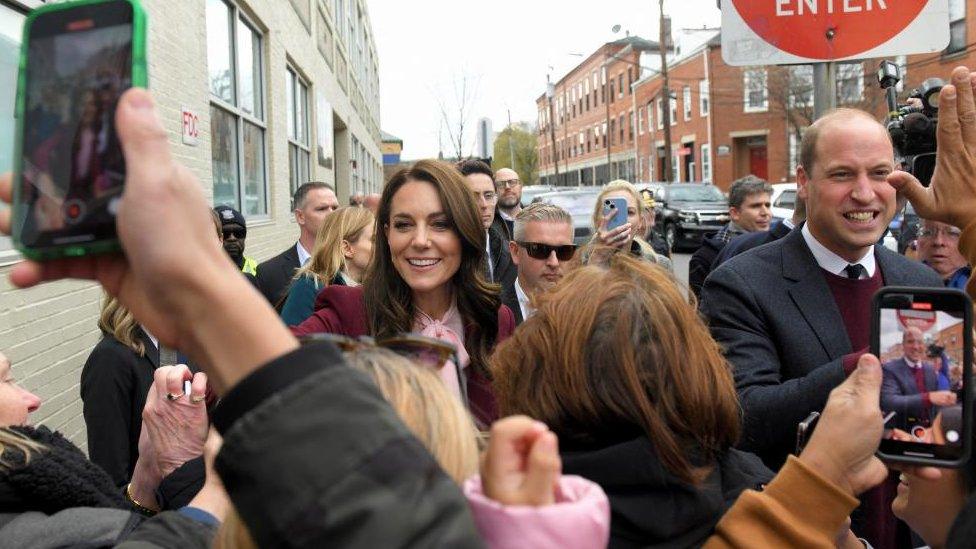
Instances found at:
x=772 y=32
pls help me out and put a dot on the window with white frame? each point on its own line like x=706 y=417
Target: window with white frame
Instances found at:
x=686 y=99
x=706 y=162
x=640 y=120
x=957 y=26
x=675 y=168
x=237 y=120
x=902 y=62
x=660 y=114
x=850 y=83
x=801 y=86
x=650 y=117
x=794 y=151
x=754 y=87
x=674 y=110
x=339 y=13
x=703 y=105
x=299 y=152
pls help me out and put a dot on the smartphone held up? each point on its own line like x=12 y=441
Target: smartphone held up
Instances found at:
x=923 y=337
x=76 y=60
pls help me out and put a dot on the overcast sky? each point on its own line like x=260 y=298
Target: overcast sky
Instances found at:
x=503 y=47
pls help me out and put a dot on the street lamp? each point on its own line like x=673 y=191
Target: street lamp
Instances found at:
x=550 y=92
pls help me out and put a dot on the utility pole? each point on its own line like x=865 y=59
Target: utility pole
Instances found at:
x=824 y=88
x=551 y=91
x=666 y=93
x=511 y=136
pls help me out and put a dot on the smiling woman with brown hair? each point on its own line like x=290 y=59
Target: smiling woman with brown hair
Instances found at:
x=620 y=367
x=427 y=277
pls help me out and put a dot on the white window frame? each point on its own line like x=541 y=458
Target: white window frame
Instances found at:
x=640 y=120
x=296 y=148
x=801 y=80
x=675 y=167
x=660 y=113
x=242 y=117
x=706 y=162
x=703 y=98
x=674 y=110
x=749 y=76
x=686 y=99
x=957 y=20
x=852 y=72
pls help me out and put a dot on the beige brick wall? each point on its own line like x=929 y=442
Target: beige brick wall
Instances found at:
x=48 y=331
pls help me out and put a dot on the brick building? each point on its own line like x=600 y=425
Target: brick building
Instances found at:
x=285 y=92
x=593 y=110
x=726 y=122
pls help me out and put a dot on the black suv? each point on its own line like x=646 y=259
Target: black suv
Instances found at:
x=686 y=213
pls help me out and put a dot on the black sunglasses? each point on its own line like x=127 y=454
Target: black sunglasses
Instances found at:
x=542 y=251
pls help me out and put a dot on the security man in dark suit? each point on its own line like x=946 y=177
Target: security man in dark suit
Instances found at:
x=312 y=203
x=794 y=315
x=481 y=180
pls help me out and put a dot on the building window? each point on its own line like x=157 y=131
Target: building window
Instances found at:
x=640 y=120
x=650 y=117
x=850 y=83
x=237 y=125
x=706 y=162
x=660 y=114
x=754 y=86
x=686 y=97
x=613 y=93
x=674 y=110
x=675 y=168
x=620 y=128
x=957 y=26
x=299 y=155
x=703 y=98
x=613 y=129
x=630 y=126
x=902 y=62
x=620 y=85
x=801 y=86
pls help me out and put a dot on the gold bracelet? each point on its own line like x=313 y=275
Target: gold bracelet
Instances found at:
x=142 y=509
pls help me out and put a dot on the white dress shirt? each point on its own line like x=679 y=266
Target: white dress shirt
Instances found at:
x=523 y=301
x=303 y=255
x=833 y=263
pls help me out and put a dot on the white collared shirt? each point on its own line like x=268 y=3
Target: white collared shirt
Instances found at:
x=151 y=337
x=303 y=255
x=913 y=365
x=833 y=263
x=523 y=301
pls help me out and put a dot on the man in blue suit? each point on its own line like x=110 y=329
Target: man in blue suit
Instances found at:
x=911 y=386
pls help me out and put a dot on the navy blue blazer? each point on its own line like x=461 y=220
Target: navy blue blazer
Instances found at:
x=773 y=313
x=899 y=394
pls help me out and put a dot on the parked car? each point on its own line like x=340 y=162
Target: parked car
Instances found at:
x=529 y=192
x=783 y=200
x=579 y=203
x=689 y=212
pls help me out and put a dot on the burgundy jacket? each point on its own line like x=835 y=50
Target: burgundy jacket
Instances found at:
x=341 y=310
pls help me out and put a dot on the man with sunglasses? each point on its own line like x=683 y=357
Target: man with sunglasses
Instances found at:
x=542 y=243
x=235 y=231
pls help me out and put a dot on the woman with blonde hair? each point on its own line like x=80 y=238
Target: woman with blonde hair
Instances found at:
x=343 y=250
x=114 y=382
x=626 y=236
x=619 y=365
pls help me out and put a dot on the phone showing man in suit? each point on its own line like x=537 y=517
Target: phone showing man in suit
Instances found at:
x=914 y=392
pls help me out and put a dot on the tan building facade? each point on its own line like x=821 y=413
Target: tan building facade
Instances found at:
x=284 y=91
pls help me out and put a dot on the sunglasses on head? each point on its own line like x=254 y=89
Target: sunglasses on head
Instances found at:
x=543 y=251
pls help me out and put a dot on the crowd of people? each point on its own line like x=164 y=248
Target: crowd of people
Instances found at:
x=441 y=365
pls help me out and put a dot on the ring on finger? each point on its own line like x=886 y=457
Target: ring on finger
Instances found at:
x=174 y=396
x=197 y=399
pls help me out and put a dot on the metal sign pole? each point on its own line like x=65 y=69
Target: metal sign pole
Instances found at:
x=824 y=88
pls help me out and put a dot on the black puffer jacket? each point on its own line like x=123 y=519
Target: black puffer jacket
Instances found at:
x=650 y=507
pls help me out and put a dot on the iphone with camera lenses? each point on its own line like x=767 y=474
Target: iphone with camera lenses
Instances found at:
x=923 y=337
x=618 y=208
x=76 y=60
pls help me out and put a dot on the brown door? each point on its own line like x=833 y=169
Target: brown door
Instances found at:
x=757 y=162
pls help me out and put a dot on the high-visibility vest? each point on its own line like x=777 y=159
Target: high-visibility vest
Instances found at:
x=250 y=266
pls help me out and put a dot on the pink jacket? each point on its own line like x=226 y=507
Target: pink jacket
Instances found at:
x=579 y=518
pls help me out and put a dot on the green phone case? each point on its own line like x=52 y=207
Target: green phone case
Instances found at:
x=140 y=78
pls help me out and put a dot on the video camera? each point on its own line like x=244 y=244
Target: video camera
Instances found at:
x=912 y=128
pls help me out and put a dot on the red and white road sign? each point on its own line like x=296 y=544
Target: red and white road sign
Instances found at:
x=923 y=320
x=774 y=32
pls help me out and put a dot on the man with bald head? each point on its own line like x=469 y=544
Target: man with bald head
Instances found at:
x=793 y=316
x=910 y=386
x=508 y=186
